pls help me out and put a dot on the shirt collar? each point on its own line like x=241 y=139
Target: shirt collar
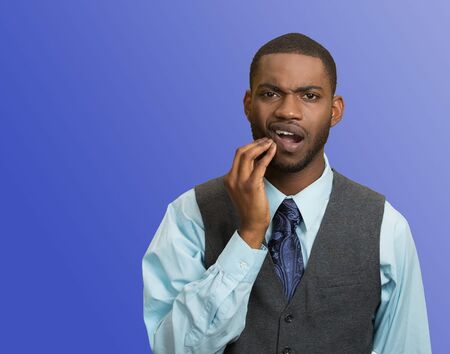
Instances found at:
x=309 y=201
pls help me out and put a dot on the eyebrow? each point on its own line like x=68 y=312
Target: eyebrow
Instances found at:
x=298 y=89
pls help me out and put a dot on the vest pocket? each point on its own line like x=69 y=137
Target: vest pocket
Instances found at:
x=338 y=280
x=338 y=294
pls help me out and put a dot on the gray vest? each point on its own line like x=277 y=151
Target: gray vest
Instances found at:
x=333 y=308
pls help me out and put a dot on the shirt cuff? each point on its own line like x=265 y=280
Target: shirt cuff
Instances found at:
x=240 y=261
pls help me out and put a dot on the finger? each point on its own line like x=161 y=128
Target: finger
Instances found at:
x=234 y=172
x=261 y=165
x=247 y=159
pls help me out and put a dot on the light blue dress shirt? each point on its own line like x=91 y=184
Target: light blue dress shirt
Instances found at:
x=188 y=309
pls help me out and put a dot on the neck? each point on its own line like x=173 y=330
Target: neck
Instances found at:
x=293 y=183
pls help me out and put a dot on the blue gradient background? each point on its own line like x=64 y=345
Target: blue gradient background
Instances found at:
x=111 y=109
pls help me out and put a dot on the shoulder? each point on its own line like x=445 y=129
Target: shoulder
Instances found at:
x=184 y=200
x=394 y=223
x=396 y=239
x=212 y=195
x=394 y=217
x=184 y=208
x=210 y=188
x=358 y=199
x=352 y=186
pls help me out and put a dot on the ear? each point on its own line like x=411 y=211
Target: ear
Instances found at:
x=247 y=103
x=337 y=110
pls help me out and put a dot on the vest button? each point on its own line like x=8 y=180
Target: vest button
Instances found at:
x=289 y=318
x=287 y=350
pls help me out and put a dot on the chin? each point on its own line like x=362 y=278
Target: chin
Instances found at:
x=288 y=166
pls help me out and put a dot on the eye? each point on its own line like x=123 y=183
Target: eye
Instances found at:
x=268 y=94
x=311 y=96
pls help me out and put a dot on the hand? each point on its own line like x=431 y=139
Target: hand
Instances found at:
x=245 y=186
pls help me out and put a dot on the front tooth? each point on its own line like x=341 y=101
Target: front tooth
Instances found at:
x=283 y=132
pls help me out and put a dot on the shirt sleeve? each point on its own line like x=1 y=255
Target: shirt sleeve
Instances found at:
x=188 y=309
x=401 y=323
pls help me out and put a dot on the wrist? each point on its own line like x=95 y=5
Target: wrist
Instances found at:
x=253 y=238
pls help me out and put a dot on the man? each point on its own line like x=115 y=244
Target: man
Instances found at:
x=284 y=254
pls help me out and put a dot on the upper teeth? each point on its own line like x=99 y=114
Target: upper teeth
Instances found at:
x=283 y=132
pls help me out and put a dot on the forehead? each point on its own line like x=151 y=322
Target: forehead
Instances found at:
x=289 y=71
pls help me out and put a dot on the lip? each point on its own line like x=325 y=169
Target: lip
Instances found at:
x=289 y=127
x=286 y=145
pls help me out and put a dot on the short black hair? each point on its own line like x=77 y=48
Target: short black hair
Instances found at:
x=299 y=44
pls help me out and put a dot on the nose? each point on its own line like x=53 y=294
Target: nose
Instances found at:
x=289 y=107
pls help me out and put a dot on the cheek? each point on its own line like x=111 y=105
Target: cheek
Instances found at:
x=320 y=110
x=320 y=126
x=257 y=111
x=258 y=117
x=320 y=116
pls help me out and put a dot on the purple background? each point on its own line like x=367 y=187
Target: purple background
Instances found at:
x=111 y=109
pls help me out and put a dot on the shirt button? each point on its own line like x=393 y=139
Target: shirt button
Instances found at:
x=243 y=265
x=289 y=318
x=287 y=350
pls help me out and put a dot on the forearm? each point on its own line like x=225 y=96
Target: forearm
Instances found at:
x=209 y=312
x=200 y=316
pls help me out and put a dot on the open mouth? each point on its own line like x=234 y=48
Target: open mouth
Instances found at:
x=288 y=136
x=287 y=141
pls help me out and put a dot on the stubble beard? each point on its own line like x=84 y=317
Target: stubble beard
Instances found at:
x=311 y=152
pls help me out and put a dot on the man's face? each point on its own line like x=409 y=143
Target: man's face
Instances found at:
x=292 y=93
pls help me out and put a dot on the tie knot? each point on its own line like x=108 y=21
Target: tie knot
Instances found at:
x=290 y=210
